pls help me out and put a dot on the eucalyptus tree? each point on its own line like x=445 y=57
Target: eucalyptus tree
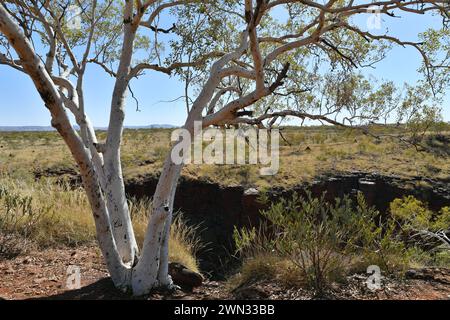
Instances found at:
x=244 y=62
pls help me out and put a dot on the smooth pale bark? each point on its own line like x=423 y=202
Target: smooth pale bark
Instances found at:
x=104 y=186
x=152 y=268
x=109 y=171
x=115 y=188
x=102 y=173
x=44 y=84
x=119 y=212
x=164 y=279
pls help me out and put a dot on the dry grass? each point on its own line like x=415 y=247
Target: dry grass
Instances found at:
x=58 y=215
x=267 y=266
x=45 y=214
x=183 y=244
x=306 y=153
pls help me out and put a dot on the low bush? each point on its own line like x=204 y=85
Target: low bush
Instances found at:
x=322 y=241
x=423 y=230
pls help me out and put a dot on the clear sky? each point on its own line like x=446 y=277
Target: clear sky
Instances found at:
x=20 y=105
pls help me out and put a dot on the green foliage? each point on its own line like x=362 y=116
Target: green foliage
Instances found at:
x=324 y=241
x=436 y=45
x=419 y=111
x=19 y=213
x=419 y=228
x=381 y=246
x=413 y=215
x=442 y=221
x=243 y=238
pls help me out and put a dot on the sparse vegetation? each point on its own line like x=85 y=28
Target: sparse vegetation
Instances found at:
x=314 y=243
x=45 y=214
x=36 y=212
x=339 y=150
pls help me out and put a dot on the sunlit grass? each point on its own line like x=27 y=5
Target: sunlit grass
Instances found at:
x=50 y=215
x=304 y=154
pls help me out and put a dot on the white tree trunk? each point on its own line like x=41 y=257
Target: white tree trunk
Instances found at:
x=164 y=278
x=104 y=186
x=44 y=84
x=115 y=188
x=119 y=213
x=152 y=268
x=153 y=265
x=119 y=272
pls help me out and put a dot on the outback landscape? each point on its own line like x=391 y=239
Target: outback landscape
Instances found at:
x=224 y=150
x=47 y=225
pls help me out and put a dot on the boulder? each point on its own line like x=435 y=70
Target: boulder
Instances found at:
x=184 y=277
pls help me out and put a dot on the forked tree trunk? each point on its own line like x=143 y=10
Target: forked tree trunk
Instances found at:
x=119 y=272
x=104 y=188
x=152 y=268
x=117 y=252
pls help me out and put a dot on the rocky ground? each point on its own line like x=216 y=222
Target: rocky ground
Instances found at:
x=43 y=275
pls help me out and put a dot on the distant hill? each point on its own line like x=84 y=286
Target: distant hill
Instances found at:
x=153 y=126
x=49 y=128
x=26 y=128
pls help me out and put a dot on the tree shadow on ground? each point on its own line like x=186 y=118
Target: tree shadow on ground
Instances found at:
x=102 y=289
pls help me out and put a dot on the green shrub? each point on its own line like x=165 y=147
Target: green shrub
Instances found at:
x=412 y=213
x=414 y=216
x=442 y=221
x=323 y=240
x=419 y=228
x=381 y=246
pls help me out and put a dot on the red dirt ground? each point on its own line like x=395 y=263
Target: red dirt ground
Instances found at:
x=43 y=275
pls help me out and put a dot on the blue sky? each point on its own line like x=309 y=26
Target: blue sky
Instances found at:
x=20 y=105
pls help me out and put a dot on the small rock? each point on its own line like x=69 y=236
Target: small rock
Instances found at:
x=10 y=270
x=251 y=192
x=410 y=274
x=250 y=293
x=184 y=277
